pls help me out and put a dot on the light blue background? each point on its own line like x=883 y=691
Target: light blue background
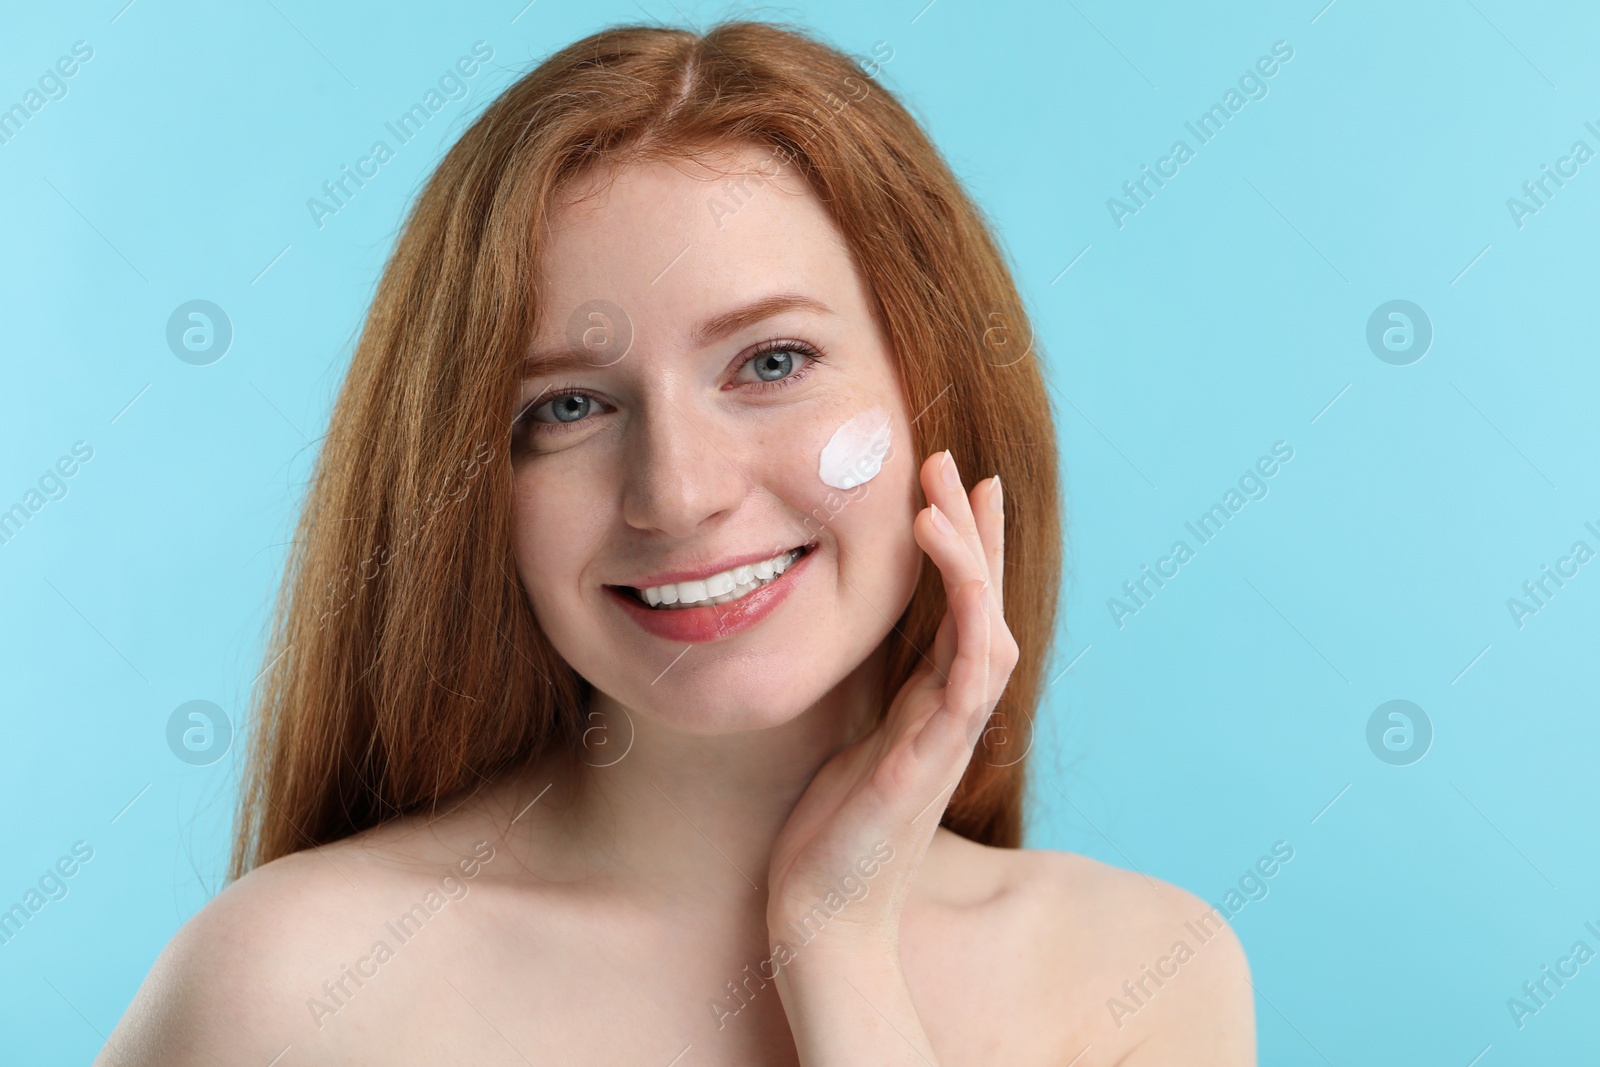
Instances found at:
x=1228 y=314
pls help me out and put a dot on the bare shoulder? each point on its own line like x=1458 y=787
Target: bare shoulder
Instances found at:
x=208 y=997
x=1111 y=964
x=265 y=964
x=1159 y=977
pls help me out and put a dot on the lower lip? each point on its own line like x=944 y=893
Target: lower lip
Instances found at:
x=712 y=622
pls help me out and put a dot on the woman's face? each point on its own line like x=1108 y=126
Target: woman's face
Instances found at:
x=717 y=336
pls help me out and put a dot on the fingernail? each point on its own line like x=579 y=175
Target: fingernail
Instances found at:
x=994 y=497
x=985 y=598
x=951 y=478
x=939 y=521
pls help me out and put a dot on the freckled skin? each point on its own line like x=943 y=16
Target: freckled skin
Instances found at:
x=677 y=466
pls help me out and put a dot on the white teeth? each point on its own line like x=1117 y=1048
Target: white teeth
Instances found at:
x=720 y=588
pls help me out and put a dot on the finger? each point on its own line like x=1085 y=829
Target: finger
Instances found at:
x=943 y=652
x=989 y=510
x=951 y=732
x=943 y=543
x=936 y=536
x=942 y=484
x=930 y=676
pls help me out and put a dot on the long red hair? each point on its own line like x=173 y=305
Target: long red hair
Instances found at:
x=404 y=664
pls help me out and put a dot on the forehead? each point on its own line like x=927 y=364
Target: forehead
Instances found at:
x=676 y=240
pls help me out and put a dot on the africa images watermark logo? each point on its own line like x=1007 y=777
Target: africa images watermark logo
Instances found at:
x=199 y=332
x=1252 y=485
x=1538 y=592
x=851 y=887
x=1399 y=332
x=450 y=86
x=1399 y=732
x=1537 y=992
x=1251 y=886
x=338 y=991
x=52 y=485
x=1252 y=85
x=1537 y=192
x=52 y=86
x=199 y=733
x=50 y=886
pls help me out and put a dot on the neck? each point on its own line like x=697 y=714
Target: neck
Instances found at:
x=693 y=815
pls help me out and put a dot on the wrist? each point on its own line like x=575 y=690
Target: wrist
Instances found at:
x=847 y=1004
x=836 y=939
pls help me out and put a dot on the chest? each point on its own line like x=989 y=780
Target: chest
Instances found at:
x=692 y=992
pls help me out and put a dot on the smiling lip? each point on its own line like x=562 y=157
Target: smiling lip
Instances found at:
x=711 y=622
x=701 y=573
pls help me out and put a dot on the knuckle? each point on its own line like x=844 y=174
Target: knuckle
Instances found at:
x=893 y=774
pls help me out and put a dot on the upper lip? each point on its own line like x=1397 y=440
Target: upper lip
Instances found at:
x=700 y=573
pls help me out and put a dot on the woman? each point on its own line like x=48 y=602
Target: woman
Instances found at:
x=639 y=732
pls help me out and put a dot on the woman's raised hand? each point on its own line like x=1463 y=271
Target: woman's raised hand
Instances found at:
x=868 y=816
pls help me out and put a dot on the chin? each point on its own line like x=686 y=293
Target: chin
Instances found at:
x=729 y=706
x=716 y=688
x=730 y=694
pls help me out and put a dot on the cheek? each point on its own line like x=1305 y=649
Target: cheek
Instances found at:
x=549 y=529
x=855 y=481
x=855 y=452
x=807 y=471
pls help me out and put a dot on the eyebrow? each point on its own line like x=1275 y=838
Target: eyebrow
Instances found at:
x=717 y=328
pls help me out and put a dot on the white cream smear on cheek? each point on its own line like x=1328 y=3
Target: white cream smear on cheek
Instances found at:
x=855 y=452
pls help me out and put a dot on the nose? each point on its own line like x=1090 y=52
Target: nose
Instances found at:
x=684 y=469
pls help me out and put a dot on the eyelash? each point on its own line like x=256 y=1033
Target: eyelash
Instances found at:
x=812 y=357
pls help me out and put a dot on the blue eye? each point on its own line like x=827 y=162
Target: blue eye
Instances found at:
x=776 y=362
x=566 y=408
x=569 y=407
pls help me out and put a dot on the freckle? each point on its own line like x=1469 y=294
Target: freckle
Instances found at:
x=855 y=452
